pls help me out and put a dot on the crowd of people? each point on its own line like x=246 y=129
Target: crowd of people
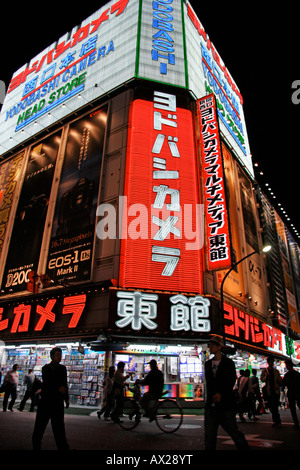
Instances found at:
x=49 y=394
x=276 y=392
x=226 y=395
x=10 y=384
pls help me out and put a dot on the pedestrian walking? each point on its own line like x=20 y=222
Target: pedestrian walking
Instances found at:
x=118 y=391
x=220 y=407
x=255 y=389
x=252 y=394
x=272 y=379
x=10 y=381
x=29 y=392
x=243 y=394
x=241 y=374
x=291 y=380
x=107 y=402
x=51 y=405
x=36 y=390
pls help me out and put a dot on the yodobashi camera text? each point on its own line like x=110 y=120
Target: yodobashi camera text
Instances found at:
x=136 y=221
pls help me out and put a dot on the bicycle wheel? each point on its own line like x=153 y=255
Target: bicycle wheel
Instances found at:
x=131 y=415
x=169 y=415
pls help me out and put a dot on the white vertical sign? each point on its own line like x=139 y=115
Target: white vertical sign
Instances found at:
x=161 y=54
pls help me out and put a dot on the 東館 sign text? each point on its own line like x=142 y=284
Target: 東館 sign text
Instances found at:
x=145 y=311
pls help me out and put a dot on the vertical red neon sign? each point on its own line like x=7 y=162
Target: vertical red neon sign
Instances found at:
x=217 y=227
x=160 y=248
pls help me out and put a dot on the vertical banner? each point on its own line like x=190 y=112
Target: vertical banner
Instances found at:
x=287 y=273
x=294 y=253
x=161 y=54
x=71 y=244
x=217 y=226
x=277 y=290
x=26 y=239
x=255 y=269
x=161 y=239
x=235 y=283
x=9 y=174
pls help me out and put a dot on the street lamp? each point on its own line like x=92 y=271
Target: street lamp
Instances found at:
x=264 y=250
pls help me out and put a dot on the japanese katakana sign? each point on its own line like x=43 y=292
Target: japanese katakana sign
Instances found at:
x=76 y=69
x=248 y=329
x=161 y=182
x=39 y=316
x=218 y=236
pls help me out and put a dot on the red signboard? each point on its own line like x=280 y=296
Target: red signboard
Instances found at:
x=217 y=227
x=161 y=239
x=38 y=315
x=247 y=329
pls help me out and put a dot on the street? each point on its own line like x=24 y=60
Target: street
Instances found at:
x=88 y=433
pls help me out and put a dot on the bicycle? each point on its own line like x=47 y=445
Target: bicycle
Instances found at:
x=168 y=414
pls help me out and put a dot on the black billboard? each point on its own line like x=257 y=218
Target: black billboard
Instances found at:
x=24 y=250
x=71 y=244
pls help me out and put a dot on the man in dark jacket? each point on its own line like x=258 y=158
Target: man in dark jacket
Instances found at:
x=220 y=408
x=51 y=407
x=291 y=380
x=155 y=381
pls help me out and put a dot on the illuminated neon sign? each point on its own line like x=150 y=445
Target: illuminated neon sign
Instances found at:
x=80 y=35
x=216 y=56
x=61 y=72
x=55 y=89
x=246 y=328
x=41 y=314
x=218 y=236
x=77 y=69
x=163 y=49
x=216 y=79
x=150 y=311
x=226 y=111
x=161 y=177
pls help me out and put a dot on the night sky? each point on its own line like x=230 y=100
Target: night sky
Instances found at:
x=259 y=46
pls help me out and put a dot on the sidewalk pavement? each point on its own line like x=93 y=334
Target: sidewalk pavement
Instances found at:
x=85 y=432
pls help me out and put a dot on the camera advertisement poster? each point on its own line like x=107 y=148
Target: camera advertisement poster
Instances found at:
x=24 y=251
x=71 y=244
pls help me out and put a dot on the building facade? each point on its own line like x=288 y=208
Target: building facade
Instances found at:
x=127 y=194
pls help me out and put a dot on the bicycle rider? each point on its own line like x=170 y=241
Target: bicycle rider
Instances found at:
x=155 y=381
